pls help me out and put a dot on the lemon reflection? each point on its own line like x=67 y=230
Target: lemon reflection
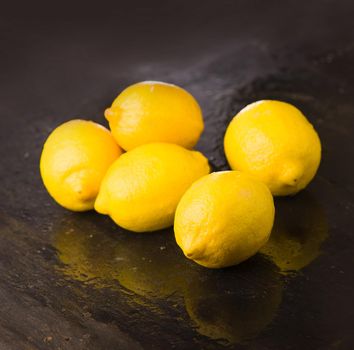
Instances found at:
x=234 y=304
x=148 y=265
x=87 y=254
x=152 y=266
x=231 y=304
x=300 y=228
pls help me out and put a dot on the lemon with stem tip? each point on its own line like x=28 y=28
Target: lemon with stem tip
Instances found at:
x=153 y=111
x=223 y=219
x=275 y=143
x=141 y=190
x=75 y=157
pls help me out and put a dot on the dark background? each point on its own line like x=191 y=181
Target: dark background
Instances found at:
x=62 y=283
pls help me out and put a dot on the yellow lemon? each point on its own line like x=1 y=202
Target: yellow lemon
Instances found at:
x=142 y=188
x=274 y=142
x=153 y=111
x=74 y=160
x=223 y=219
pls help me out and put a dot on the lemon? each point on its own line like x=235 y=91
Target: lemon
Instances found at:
x=142 y=188
x=223 y=219
x=74 y=159
x=274 y=142
x=153 y=111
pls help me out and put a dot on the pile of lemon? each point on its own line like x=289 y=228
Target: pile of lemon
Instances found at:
x=146 y=176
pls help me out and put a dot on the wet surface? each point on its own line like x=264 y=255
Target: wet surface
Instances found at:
x=77 y=281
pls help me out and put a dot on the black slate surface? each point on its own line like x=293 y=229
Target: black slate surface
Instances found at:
x=77 y=281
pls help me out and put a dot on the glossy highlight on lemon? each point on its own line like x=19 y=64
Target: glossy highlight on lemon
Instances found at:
x=142 y=188
x=275 y=143
x=223 y=219
x=75 y=157
x=153 y=111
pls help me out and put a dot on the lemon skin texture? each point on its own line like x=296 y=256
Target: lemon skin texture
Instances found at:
x=223 y=219
x=142 y=188
x=274 y=142
x=75 y=157
x=153 y=111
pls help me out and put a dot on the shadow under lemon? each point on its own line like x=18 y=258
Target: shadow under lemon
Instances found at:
x=300 y=228
x=148 y=264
